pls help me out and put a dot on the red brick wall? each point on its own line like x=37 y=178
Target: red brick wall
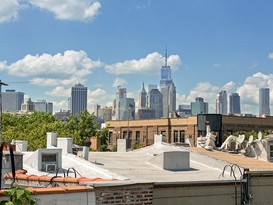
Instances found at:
x=139 y=194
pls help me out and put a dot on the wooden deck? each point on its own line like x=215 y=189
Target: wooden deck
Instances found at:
x=246 y=162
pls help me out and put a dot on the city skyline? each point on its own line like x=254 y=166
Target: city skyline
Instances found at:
x=212 y=46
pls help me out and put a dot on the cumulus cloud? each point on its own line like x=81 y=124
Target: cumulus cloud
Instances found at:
x=119 y=82
x=71 y=63
x=249 y=90
x=3 y=65
x=61 y=105
x=59 y=91
x=9 y=10
x=96 y=97
x=151 y=64
x=207 y=91
x=78 y=10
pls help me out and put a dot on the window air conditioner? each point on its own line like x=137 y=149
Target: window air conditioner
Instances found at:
x=50 y=167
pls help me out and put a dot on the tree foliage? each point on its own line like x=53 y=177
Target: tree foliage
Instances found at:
x=33 y=127
x=103 y=136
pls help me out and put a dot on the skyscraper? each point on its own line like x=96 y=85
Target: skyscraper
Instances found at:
x=234 y=103
x=78 y=99
x=142 y=98
x=221 y=103
x=43 y=106
x=167 y=89
x=154 y=102
x=12 y=101
x=123 y=107
x=264 y=102
x=199 y=106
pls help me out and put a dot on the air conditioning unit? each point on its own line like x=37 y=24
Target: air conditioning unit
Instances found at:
x=50 y=167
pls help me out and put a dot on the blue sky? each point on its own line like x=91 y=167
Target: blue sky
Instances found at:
x=212 y=45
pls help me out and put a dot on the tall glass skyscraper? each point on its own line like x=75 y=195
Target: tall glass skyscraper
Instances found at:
x=12 y=101
x=221 y=103
x=78 y=99
x=154 y=102
x=264 y=102
x=234 y=103
x=43 y=106
x=199 y=106
x=123 y=107
x=167 y=89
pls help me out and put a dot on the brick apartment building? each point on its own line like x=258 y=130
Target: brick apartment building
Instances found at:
x=178 y=130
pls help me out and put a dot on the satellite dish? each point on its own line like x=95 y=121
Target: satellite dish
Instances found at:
x=260 y=136
x=240 y=139
x=250 y=139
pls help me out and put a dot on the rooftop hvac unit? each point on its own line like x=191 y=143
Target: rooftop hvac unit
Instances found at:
x=50 y=167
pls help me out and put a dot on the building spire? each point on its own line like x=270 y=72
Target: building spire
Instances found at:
x=166 y=57
x=143 y=88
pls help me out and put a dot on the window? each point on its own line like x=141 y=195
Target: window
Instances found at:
x=163 y=133
x=49 y=157
x=110 y=137
x=182 y=136
x=271 y=150
x=175 y=136
x=124 y=135
x=138 y=137
x=130 y=135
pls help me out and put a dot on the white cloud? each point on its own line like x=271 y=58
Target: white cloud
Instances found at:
x=3 y=66
x=9 y=10
x=59 y=91
x=78 y=10
x=96 y=97
x=54 y=82
x=270 y=55
x=151 y=64
x=217 y=65
x=119 y=82
x=207 y=91
x=249 y=91
x=71 y=63
x=61 y=105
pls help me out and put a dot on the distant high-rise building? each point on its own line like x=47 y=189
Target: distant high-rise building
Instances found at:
x=78 y=99
x=96 y=109
x=43 y=106
x=221 y=103
x=12 y=101
x=264 y=102
x=27 y=106
x=105 y=113
x=167 y=89
x=150 y=87
x=184 y=110
x=62 y=114
x=155 y=102
x=142 y=98
x=199 y=106
x=234 y=103
x=123 y=107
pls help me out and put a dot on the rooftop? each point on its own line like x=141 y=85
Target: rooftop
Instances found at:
x=136 y=165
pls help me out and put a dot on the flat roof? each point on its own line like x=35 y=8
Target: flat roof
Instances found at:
x=136 y=166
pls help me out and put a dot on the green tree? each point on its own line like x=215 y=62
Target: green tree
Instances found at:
x=33 y=128
x=103 y=136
